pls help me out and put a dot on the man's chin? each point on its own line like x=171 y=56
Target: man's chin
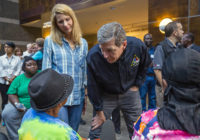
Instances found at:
x=110 y=61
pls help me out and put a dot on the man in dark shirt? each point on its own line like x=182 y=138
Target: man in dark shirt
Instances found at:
x=188 y=42
x=116 y=68
x=173 y=33
x=150 y=82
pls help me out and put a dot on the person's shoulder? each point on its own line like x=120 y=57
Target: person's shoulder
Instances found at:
x=21 y=76
x=16 y=57
x=18 y=79
x=83 y=40
x=93 y=51
x=84 y=43
x=158 y=46
x=134 y=41
x=48 y=38
x=40 y=130
x=3 y=56
x=195 y=47
x=28 y=115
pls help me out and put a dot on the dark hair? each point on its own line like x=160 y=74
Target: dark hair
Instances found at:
x=10 y=44
x=190 y=36
x=26 y=59
x=147 y=34
x=170 y=28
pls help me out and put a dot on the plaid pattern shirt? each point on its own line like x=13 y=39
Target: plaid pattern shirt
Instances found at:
x=67 y=61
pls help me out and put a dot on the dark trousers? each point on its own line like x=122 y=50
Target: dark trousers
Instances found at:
x=148 y=87
x=4 y=96
x=116 y=118
x=130 y=105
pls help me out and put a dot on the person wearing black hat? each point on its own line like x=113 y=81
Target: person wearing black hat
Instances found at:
x=49 y=91
x=179 y=118
x=10 y=67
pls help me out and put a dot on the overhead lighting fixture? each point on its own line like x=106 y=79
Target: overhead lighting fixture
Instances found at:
x=163 y=23
x=46 y=24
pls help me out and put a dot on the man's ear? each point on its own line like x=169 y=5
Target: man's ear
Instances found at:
x=124 y=44
x=175 y=33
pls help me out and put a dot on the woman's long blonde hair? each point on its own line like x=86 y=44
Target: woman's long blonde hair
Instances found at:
x=56 y=33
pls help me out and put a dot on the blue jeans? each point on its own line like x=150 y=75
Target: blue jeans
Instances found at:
x=71 y=115
x=148 y=87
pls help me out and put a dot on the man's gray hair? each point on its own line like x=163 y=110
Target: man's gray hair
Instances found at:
x=109 y=31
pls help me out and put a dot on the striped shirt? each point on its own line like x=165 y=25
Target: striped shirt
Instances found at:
x=67 y=61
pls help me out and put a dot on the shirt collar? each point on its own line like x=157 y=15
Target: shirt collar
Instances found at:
x=7 y=56
x=64 y=40
x=170 y=43
x=190 y=45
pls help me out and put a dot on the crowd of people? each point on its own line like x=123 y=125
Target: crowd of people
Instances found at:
x=44 y=89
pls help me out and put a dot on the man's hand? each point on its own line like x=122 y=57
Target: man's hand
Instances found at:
x=164 y=85
x=85 y=101
x=85 y=105
x=134 y=88
x=11 y=79
x=6 y=78
x=98 y=120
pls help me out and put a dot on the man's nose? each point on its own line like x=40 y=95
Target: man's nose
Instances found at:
x=105 y=55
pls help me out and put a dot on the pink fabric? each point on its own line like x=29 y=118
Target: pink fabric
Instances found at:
x=155 y=132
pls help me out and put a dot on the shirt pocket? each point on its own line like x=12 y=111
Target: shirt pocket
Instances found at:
x=131 y=72
x=81 y=61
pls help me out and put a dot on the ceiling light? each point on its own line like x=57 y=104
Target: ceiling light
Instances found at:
x=163 y=23
x=46 y=24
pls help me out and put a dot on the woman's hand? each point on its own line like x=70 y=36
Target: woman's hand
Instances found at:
x=20 y=107
x=85 y=102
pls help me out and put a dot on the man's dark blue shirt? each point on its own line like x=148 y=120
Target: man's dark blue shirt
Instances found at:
x=118 y=77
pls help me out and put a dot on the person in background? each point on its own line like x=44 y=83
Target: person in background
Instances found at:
x=2 y=52
x=19 y=52
x=39 y=54
x=179 y=117
x=41 y=121
x=65 y=51
x=150 y=82
x=34 y=49
x=19 y=99
x=116 y=70
x=10 y=67
x=173 y=34
x=188 y=42
x=28 y=51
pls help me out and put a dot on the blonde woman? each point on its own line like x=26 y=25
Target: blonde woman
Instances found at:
x=65 y=52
